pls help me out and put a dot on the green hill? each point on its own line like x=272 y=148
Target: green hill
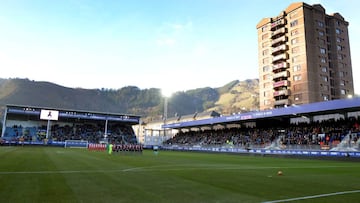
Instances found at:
x=232 y=97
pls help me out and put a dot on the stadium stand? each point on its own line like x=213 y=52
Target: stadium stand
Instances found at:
x=329 y=132
x=318 y=126
x=25 y=123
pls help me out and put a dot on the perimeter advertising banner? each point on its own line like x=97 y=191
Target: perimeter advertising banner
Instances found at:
x=49 y=114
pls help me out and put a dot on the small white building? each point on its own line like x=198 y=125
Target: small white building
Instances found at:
x=152 y=133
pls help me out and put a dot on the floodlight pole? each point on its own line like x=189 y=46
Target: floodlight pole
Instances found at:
x=48 y=129
x=165 y=109
x=4 y=122
x=106 y=128
x=165 y=112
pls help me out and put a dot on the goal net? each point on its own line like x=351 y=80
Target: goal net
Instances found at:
x=76 y=144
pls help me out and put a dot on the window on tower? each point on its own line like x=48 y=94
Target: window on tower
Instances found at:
x=294 y=32
x=297 y=97
x=294 y=23
x=325 y=78
x=266 y=68
x=295 y=40
x=264 y=28
x=323 y=60
x=338 y=31
x=265 y=52
x=297 y=77
x=322 y=50
x=295 y=50
x=320 y=24
x=297 y=68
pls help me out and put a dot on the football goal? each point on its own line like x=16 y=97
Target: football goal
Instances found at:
x=76 y=144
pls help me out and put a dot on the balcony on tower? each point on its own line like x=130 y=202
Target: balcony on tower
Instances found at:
x=278 y=23
x=279 y=49
x=282 y=74
x=282 y=102
x=282 y=57
x=282 y=65
x=280 y=40
x=284 y=92
x=275 y=34
x=282 y=83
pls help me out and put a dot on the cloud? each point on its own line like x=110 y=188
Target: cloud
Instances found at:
x=166 y=42
x=171 y=33
x=179 y=26
x=200 y=50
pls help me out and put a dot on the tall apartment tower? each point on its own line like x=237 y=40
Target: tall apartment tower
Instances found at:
x=304 y=57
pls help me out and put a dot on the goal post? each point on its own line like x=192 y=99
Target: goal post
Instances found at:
x=76 y=144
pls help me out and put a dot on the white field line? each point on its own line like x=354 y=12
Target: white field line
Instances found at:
x=175 y=167
x=313 y=196
x=220 y=167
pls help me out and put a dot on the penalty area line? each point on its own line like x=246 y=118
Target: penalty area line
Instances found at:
x=314 y=196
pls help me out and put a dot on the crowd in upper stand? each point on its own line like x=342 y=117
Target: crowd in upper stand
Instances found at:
x=316 y=133
x=94 y=133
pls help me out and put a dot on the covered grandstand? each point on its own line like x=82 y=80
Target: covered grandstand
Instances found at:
x=329 y=127
x=50 y=126
x=344 y=107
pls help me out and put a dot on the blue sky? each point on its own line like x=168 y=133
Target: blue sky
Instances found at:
x=174 y=45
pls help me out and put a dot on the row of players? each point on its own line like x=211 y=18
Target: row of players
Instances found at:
x=117 y=147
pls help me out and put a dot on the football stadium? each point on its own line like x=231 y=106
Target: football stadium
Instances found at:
x=304 y=153
x=299 y=141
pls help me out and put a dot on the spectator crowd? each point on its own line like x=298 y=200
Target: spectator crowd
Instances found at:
x=328 y=132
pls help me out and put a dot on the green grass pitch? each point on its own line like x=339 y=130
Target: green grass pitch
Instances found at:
x=50 y=174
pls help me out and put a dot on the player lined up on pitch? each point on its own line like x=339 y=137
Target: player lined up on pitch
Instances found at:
x=110 y=148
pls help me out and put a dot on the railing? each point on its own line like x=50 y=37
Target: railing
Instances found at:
x=282 y=102
x=280 y=39
x=280 y=57
x=283 y=47
x=280 y=65
x=281 y=83
x=281 y=92
x=284 y=74
x=278 y=31
x=278 y=23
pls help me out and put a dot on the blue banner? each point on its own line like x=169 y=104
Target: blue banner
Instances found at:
x=267 y=151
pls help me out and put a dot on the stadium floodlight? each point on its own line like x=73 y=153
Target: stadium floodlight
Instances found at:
x=166 y=93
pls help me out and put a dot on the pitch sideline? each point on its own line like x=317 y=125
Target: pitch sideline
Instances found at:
x=313 y=196
x=163 y=168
